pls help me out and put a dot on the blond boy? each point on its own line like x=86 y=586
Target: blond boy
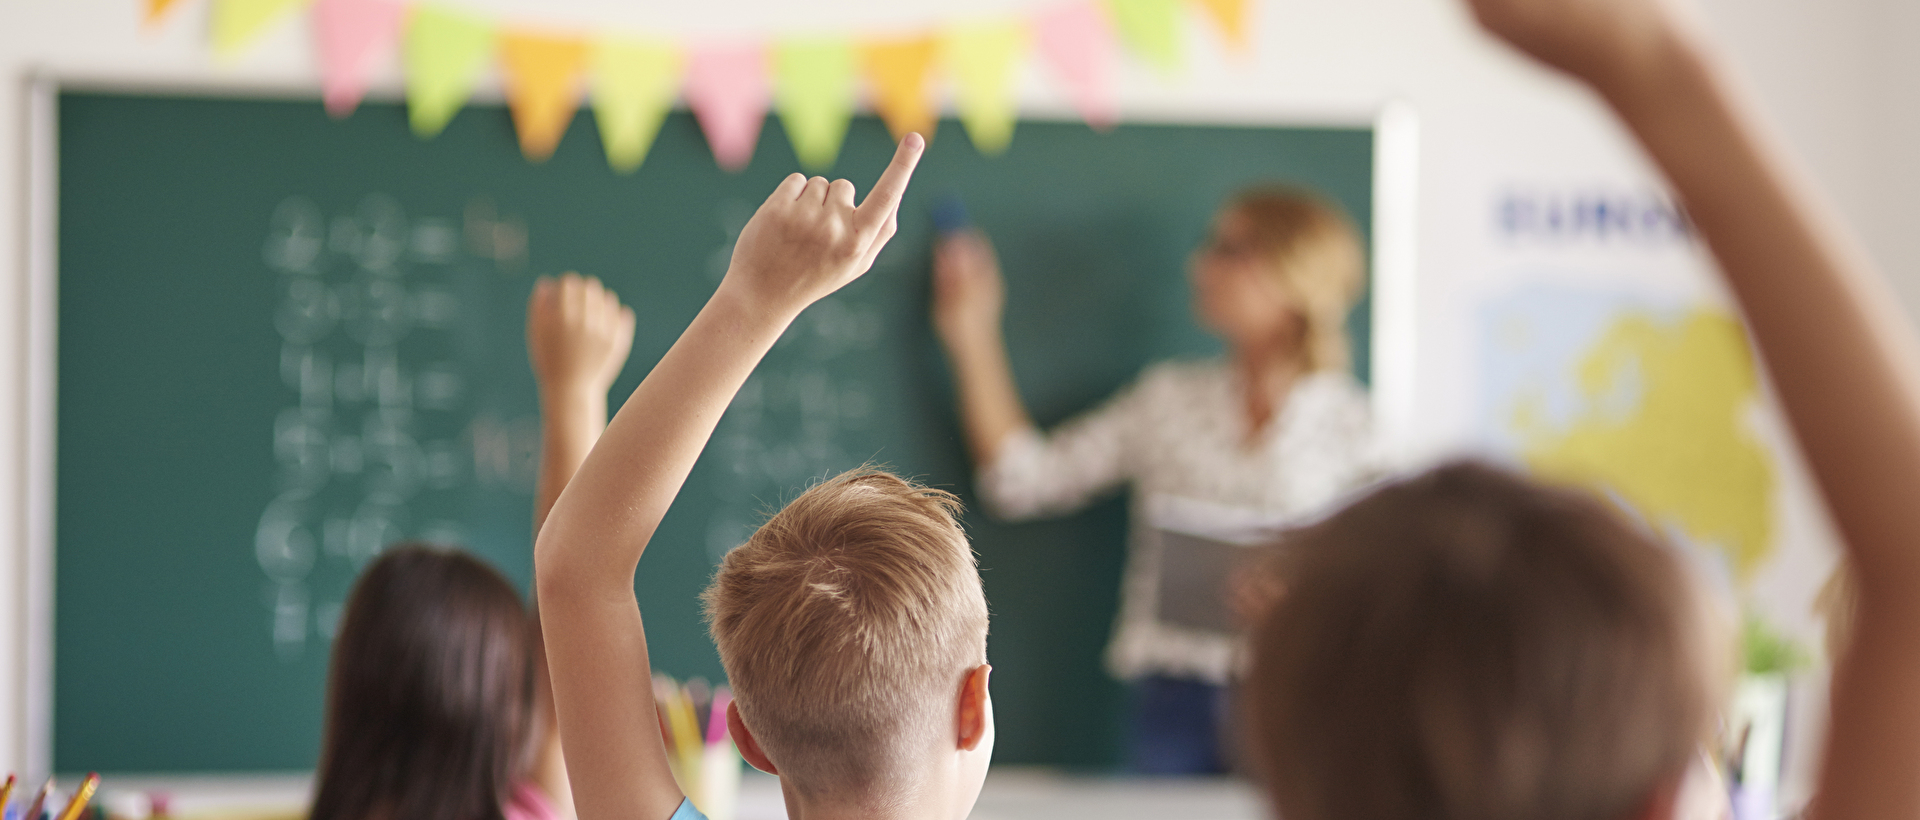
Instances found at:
x=852 y=624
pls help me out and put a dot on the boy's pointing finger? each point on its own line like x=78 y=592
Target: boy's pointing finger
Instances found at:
x=892 y=187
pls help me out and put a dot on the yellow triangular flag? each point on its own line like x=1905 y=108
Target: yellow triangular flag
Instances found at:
x=814 y=93
x=899 y=71
x=634 y=83
x=445 y=51
x=982 y=58
x=1231 y=16
x=543 y=87
x=1151 y=30
x=157 y=9
x=237 y=22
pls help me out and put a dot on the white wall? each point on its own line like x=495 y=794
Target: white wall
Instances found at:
x=1842 y=80
x=1836 y=73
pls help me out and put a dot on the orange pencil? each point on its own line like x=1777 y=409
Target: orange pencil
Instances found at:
x=6 y=791
x=81 y=796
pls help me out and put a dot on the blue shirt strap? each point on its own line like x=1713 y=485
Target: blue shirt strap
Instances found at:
x=687 y=812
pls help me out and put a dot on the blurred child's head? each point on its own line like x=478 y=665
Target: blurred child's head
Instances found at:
x=849 y=625
x=429 y=696
x=1467 y=644
x=1281 y=270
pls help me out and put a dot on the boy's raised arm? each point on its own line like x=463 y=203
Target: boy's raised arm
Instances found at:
x=805 y=242
x=1841 y=356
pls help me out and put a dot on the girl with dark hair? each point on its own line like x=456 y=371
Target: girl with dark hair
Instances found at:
x=438 y=702
x=430 y=695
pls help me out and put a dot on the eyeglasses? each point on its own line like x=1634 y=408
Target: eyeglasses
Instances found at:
x=1214 y=246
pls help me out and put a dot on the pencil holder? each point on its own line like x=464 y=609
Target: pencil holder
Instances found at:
x=693 y=724
x=717 y=794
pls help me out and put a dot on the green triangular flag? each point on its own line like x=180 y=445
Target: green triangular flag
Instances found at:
x=634 y=83
x=445 y=51
x=814 y=93
x=1151 y=30
x=983 y=59
x=237 y=22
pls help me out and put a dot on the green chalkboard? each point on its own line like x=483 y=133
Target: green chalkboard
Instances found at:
x=286 y=341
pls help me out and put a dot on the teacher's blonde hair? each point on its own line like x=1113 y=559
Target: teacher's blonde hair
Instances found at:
x=1315 y=251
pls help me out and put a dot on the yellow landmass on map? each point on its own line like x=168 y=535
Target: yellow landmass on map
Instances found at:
x=1664 y=428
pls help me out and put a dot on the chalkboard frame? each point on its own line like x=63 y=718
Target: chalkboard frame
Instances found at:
x=1394 y=232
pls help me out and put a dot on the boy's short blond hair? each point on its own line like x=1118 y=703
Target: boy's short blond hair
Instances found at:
x=847 y=625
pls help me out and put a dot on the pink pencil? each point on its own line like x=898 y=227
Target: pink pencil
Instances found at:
x=717 y=722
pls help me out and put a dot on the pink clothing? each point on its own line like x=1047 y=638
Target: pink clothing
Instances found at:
x=529 y=802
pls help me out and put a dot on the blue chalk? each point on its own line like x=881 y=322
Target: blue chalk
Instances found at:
x=949 y=215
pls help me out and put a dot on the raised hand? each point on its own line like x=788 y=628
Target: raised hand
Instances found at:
x=578 y=334
x=968 y=293
x=1842 y=357
x=1605 y=42
x=809 y=238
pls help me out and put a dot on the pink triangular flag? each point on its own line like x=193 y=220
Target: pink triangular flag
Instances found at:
x=353 y=35
x=727 y=89
x=1078 y=42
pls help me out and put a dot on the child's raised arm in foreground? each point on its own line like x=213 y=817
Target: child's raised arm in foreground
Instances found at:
x=1841 y=357
x=805 y=242
x=578 y=338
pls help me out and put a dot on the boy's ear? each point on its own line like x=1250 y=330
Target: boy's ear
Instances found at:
x=743 y=740
x=975 y=713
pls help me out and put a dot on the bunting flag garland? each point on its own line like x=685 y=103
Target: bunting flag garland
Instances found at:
x=156 y=10
x=899 y=72
x=352 y=36
x=727 y=90
x=543 y=74
x=814 y=93
x=1231 y=18
x=237 y=22
x=1077 y=41
x=1151 y=30
x=813 y=83
x=635 y=83
x=445 y=52
x=983 y=59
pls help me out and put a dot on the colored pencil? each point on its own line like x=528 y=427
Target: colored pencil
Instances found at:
x=686 y=731
x=39 y=801
x=81 y=796
x=717 y=723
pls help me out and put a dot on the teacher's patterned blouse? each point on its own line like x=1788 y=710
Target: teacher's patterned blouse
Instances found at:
x=1178 y=437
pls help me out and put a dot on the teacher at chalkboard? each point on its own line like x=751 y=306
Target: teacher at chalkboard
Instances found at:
x=1217 y=454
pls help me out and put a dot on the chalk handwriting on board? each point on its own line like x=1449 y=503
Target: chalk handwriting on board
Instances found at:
x=374 y=422
x=806 y=411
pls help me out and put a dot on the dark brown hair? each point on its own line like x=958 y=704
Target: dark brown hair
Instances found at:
x=1469 y=645
x=429 y=696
